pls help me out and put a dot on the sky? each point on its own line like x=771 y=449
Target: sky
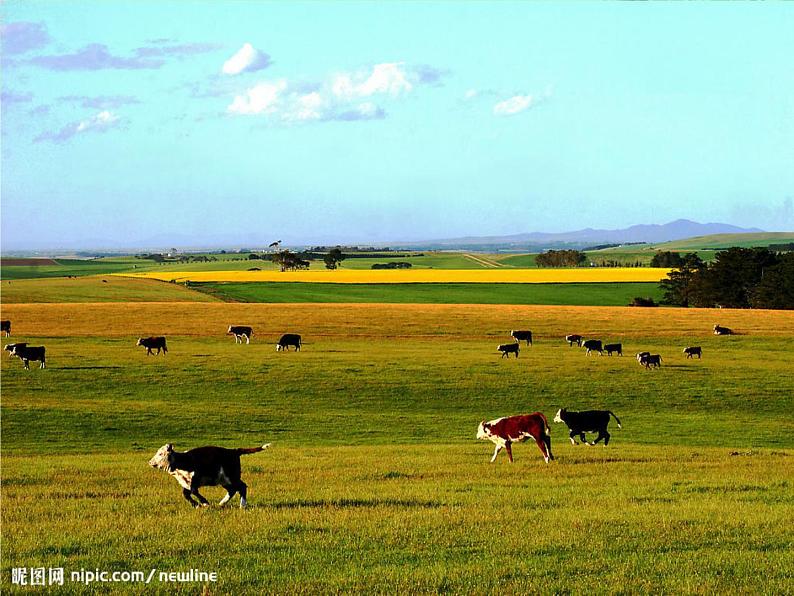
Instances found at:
x=186 y=123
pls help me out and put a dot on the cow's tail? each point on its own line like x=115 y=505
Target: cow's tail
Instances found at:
x=546 y=427
x=616 y=419
x=247 y=450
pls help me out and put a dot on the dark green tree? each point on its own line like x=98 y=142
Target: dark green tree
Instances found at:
x=679 y=286
x=666 y=258
x=776 y=288
x=333 y=258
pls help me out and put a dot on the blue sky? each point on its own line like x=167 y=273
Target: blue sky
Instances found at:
x=354 y=122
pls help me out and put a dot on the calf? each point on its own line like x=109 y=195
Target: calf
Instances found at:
x=649 y=360
x=574 y=339
x=287 y=340
x=522 y=336
x=5 y=327
x=150 y=343
x=641 y=355
x=722 y=330
x=205 y=466
x=590 y=421
x=10 y=348
x=240 y=332
x=507 y=349
x=618 y=348
x=692 y=351
x=505 y=431
x=27 y=353
x=593 y=345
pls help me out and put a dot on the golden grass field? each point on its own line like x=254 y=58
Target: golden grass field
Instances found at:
x=368 y=276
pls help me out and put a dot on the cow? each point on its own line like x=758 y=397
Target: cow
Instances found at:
x=593 y=345
x=240 y=332
x=618 y=348
x=722 y=330
x=503 y=432
x=649 y=360
x=641 y=355
x=205 y=466
x=507 y=349
x=5 y=327
x=150 y=343
x=590 y=421
x=27 y=353
x=574 y=339
x=287 y=340
x=692 y=351
x=10 y=348
x=522 y=335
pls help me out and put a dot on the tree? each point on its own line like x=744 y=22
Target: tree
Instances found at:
x=680 y=283
x=560 y=258
x=776 y=288
x=731 y=279
x=666 y=258
x=333 y=258
x=289 y=261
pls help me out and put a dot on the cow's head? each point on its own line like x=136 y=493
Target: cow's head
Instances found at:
x=560 y=413
x=278 y=347
x=162 y=459
x=484 y=430
x=140 y=341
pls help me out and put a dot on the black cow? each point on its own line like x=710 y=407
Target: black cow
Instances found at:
x=150 y=343
x=240 y=332
x=205 y=466
x=26 y=354
x=648 y=360
x=5 y=327
x=593 y=345
x=692 y=351
x=287 y=340
x=10 y=348
x=590 y=421
x=618 y=348
x=522 y=336
x=574 y=339
x=722 y=330
x=507 y=349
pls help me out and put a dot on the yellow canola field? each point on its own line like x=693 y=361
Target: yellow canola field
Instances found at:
x=397 y=276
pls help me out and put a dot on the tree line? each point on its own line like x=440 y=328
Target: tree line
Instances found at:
x=560 y=258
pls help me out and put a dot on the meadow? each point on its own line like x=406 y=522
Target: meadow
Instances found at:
x=375 y=481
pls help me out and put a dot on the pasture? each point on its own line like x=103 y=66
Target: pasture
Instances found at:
x=375 y=481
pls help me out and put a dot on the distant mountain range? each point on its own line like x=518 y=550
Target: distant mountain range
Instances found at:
x=650 y=233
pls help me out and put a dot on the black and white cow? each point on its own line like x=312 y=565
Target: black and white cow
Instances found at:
x=649 y=360
x=10 y=348
x=240 y=332
x=617 y=348
x=27 y=353
x=574 y=339
x=693 y=351
x=722 y=330
x=591 y=421
x=522 y=336
x=287 y=340
x=593 y=345
x=205 y=466
x=507 y=349
x=5 y=327
x=150 y=343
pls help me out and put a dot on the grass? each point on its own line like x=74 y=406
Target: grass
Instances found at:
x=375 y=482
x=591 y=294
x=720 y=241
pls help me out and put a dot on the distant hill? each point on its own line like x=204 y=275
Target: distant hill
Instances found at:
x=649 y=233
x=727 y=240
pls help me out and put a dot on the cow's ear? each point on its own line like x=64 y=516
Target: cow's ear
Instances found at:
x=169 y=447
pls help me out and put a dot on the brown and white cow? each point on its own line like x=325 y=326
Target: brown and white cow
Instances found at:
x=503 y=432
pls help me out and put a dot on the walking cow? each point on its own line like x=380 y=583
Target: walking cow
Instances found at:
x=590 y=421
x=150 y=343
x=694 y=351
x=505 y=431
x=593 y=345
x=507 y=349
x=574 y=339
x=240 y=332
x=617 y=348
x=522 y=336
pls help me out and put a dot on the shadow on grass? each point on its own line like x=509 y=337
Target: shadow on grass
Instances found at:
x=357 y=503
x=87 y=367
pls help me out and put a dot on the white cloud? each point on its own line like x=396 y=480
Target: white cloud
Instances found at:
x=102 y=122
x=247 y=59
x=471 y=94
x=307 y=107
x=260 y=99
x=514 y=105
x=389 y=78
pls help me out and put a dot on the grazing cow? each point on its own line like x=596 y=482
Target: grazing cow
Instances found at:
x=240 y=332
x=722 y=330
x=590 y=421
x=574 y=339
x=641 y=355
x=5 y=327
x=522 y=335
x=692 y=351
x=511 y=429
x=618 y=348
x=205 y=466
x=10 y=348
x=287 y=340
x=27 y=353
x=593 y=345
x=507 y=349
x=649 y=360
x=150 y=343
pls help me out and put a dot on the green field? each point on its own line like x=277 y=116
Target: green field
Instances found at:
x=375 y=481
x=721 y=241
x=590 y=294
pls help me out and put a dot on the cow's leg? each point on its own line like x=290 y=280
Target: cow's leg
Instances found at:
x=247 y=339
x=187 y=494
x=27 y=364
x=547 y=440
x=242 y=488
x=230 y=492
x=496 y=452
x=509 y=450
x=542 y=446
x=201 y=499
x=571 y=435
x=606 y=437
x=584 y=440
x=43 y=365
